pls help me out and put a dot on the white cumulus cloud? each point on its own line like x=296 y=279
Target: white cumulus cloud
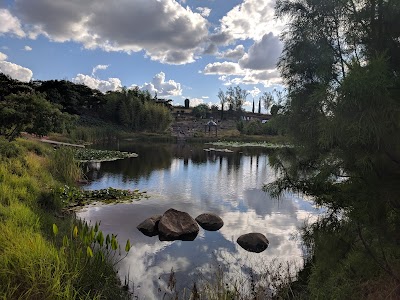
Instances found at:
x=263 y=54
x=248 y=104
x=233 y=54
x=204 y=11
x=267 y=78
x=161 y=87
x=3 y=56
x=164 y=30
x=10 y=24
x=222 y=68
x=99 y=67
x=251 y=19
x=27 y=48
x=255 y=91
x=15 y=71
x=111 y=84
x=195 y=101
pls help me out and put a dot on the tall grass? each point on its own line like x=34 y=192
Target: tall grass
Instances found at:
x=64 y=167
x=95 y=133
x=35 y=263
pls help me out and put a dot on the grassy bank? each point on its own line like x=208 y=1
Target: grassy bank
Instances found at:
x=44 y=254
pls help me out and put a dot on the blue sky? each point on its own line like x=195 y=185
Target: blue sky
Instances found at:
x=179 y=49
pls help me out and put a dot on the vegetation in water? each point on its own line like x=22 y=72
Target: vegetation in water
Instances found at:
x=72 y=196
x=236 y=144
x=87 y=154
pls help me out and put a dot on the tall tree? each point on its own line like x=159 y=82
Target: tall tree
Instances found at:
x=222 y=100
x=240 y=96
x=267 y=100
x=343 y=109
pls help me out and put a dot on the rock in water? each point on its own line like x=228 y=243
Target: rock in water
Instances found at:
x=210 y=221
x=149 y=226
x=253 y=242
x=177 y=225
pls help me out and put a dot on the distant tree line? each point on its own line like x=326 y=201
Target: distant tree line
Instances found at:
x=41 y=107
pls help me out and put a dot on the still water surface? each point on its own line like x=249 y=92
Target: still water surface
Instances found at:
x=187 y=178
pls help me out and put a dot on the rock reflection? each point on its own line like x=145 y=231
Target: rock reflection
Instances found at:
x=195 y=181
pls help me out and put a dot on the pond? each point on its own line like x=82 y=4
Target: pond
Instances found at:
x=187 y=178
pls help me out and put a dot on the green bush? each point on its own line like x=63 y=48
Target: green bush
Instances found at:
x=255 y=127
x=9 y=149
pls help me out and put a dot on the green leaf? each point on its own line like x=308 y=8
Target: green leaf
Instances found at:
x=96 y=227
x=55 y=229
x=75 y=232
x=92 y=234
x=100 y=238
x=114 y=243
x=65 y=241
x=127 y=246
x=89 y=252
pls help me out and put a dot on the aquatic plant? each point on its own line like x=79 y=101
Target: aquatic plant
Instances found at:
x=73 y=197
x=235 y=144
x=86 y=154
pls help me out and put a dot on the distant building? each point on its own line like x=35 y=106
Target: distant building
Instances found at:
x=187 y=103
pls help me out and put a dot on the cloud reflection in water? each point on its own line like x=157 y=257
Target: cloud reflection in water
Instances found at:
x=226 y=184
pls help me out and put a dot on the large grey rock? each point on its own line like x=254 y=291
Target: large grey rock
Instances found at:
x=149 y=226
x=177 y=225
x=210 y=221
x=253 y=242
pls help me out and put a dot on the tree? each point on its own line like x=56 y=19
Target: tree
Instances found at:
x=253 y=107
x=240 y=98
x=343 y=110
x=74 y=98
x=31 y=113
x=230 y=95
x=222 y=100
x=200 y=111
x=267 y=100
x=234 y=96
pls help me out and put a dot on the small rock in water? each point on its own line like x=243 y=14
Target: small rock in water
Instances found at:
x=177 y=225
x=210 y=221
x=253 y=242
x=149 y=226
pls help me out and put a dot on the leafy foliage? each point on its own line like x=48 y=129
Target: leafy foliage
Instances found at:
x=201 y=111
x=342 y=110
x=255 y=127
x=32 y=113
x=72 y=197
x=86 y=154
x=41 y=107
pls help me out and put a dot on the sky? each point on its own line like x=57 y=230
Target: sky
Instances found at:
x=179 y=49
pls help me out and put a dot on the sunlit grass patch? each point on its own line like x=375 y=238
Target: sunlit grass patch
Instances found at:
x=35 y=264
x=30 y=267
